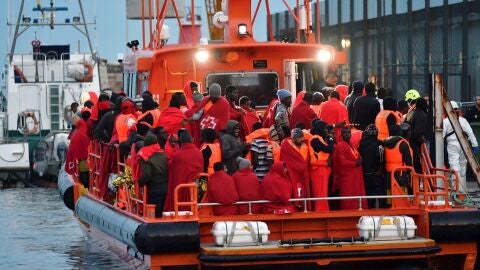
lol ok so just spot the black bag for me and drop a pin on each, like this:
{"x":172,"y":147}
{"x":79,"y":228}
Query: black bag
{"x":445,"y":152}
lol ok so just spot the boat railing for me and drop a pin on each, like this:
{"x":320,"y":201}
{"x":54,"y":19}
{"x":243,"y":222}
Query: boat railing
{"x":429,"y":190}
{"x":305,"y":201}
{"x":30,"y":70}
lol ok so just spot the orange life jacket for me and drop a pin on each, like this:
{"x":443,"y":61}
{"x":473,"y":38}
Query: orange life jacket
{"x":215,"y":157}
{"x":155,"y":113}
{"x":275,"y":150}
{"x":393,"y":156}
{"x":318,"y":158}
{"x":303,"y":150}
{"x":381,"y":123}
{"x":121,"y":126}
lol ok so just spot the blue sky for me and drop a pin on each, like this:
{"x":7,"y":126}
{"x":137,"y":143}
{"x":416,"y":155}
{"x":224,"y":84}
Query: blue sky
{"x":109,"y":37}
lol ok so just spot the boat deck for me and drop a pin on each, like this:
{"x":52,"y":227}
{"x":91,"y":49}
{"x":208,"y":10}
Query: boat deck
{"x":321,"y":253}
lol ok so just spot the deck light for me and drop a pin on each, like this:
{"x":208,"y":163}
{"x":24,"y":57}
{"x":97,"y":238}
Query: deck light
{"x":26,"y":19}
{"x":76,"y":19}
{"x":345,"y":43}
{"x":202,"y":55}
{"x":242,"y":30}
{"x":324,"y":55}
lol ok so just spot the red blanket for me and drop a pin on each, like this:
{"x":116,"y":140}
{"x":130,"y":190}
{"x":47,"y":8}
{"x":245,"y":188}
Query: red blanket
{"x":187,"y":90}
{"x":78,"y":148}
{"x":349,"y":176}
{"x":302,"y":113}
{"x":297,"y":167}
{"x":215,"y":115}
{"x":248,"y":186}
{"x":332,"y":112}
{"x":269,"y":116}
{"x":248,"y":119}
{"x":147,"y":151}
{"x":194,"y":125}
{"x":183,"y":167}
{"x":276,"y":187}
{"x":172,"y":119}
{"x":221,"y":189}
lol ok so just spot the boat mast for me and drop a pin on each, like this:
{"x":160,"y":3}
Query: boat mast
{"x":12,"y":49}
{"x":85,"y":26}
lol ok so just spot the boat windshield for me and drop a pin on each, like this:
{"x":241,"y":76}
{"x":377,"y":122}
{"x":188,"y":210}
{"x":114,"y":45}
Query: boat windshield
{"x":259,"y":86}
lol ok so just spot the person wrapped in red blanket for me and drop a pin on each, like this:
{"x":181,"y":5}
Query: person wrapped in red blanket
{"x":277,"y":188}
{"x":214,"y":110}
{"x":221,"y":189}
{"x":183,"y":167}
{"x":247,"y":185}
{"x":294,"y":152}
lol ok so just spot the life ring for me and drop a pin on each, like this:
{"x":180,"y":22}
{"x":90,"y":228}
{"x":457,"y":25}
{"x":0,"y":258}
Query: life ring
{"x":22,"y":125}
{"x":89,"y":76}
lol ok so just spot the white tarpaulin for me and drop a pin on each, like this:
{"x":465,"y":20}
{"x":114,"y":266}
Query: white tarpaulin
{"x":134,"y":8}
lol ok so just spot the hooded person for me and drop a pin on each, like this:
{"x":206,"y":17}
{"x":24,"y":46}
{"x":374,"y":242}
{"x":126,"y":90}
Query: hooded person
{"x":172,"y":118}
{"x":371,"y":151}
{"x":318,"y":98}
{"x":232,"y":146}
{"x":248,"y":186}
{"x":194,"y":125}
{"x":188,"y":90}
{"x":334,"y":113}
{"x":183,"y":167}
{"x":294,"y":152}
{"x":78,"y":152}
{"x":276,"y":187}
{"x":99,"y":109}
{"x":221,"y":189}
{"x":214,"y":110}
{"x":124,"y":121}
{"x":154,"y":168}
{"x":357,"y":90}
{"x":302,"y":113}
{"x":455,"y":155}
{"x":343,"y":91}
{"x":348,"y":173}
{"x":321,"y":148}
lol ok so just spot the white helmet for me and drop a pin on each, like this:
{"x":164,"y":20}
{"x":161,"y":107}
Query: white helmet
{"x":454,"y":105}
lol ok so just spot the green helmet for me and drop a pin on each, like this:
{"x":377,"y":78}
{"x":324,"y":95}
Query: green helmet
{"x":412,"y":95}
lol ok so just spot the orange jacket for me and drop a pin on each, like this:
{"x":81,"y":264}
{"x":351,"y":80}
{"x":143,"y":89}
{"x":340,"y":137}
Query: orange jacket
{"x":381,"y":123}
{"x":393,"y":156}
{"x":215,"y":157}
{"x":122,"y":126}
{"x":318,"y":158}
{"x":155,"y":115}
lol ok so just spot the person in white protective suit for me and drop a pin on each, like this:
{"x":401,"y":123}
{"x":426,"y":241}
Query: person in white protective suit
{"x":456,"y":157}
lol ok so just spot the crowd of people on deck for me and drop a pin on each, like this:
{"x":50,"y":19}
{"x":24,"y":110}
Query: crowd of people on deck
{"x":338,"y":140}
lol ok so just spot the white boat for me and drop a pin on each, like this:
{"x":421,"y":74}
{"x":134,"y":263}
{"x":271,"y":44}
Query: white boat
{"x":40,"y":86}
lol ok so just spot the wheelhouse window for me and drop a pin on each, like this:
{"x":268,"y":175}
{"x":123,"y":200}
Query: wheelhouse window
{"x":260,"y":87}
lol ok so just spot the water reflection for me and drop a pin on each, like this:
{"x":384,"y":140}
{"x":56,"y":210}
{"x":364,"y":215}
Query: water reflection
{"x":39,"y":232}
